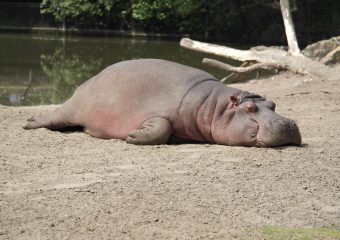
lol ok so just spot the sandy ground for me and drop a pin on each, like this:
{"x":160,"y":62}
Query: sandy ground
{"x":56,"y":185}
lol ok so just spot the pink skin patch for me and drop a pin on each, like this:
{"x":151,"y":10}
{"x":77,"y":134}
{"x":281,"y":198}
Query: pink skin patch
{"x":104,"y":125}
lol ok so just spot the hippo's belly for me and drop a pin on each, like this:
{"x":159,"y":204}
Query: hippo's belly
{"x":121,"y":97}
{"x":107,"y":120}
{"x":107,"y":125}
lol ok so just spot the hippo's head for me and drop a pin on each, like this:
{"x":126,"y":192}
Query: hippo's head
{"x":255,"y":123}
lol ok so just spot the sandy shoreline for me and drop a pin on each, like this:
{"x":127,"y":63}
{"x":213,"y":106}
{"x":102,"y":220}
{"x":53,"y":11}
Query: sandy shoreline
{"x":57,"y":185}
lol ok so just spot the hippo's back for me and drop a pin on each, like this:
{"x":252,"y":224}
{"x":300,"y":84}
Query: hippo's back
{"x":125,"y":94}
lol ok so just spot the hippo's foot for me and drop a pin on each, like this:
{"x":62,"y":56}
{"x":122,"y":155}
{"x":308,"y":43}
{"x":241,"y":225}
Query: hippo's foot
{"x":153,"y":131}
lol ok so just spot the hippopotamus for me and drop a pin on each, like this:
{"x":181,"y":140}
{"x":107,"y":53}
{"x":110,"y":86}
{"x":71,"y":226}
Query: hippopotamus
{"x":151,"y":101}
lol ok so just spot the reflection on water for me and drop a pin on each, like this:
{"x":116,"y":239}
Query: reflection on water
{"x":41,"y":69}
{"x":67,"y":71}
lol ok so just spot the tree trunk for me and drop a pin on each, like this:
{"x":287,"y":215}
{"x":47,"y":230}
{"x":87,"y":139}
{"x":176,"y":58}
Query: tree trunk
{"x":293,"y":47}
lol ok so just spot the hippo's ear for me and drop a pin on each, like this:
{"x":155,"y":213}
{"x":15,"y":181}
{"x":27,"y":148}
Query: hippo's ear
{"x":233,"y":99}
{"x":271,"y":105}
{"x":233,"y":102}
{"x":268,"y":104}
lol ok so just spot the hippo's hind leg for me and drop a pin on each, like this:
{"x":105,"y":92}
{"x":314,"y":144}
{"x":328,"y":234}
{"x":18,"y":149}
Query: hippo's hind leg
{"x":153,"y":131}
{"x":56,"y":119}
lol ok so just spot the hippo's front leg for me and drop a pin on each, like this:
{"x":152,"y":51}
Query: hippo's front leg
{"x":153,"y":131}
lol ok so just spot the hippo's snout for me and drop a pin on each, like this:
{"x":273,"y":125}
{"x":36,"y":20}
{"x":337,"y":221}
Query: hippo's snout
{"x":285,"y":131}
{"x":280,"y":132}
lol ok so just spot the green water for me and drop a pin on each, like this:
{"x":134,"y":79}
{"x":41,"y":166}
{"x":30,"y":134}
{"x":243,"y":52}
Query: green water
{"x":40,"y":69}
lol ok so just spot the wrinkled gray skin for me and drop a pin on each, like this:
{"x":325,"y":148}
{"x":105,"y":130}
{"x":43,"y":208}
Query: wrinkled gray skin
{"x":151,"y":101}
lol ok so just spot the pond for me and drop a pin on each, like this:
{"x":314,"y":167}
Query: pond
{"x":40,"y":69}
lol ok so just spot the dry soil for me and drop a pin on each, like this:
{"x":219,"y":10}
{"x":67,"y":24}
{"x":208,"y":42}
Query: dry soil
{"x":57,"y":185}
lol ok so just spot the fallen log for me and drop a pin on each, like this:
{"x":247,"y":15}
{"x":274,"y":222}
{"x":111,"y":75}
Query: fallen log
{"x":266,"y":58}
{"x":269,"y":57}
{"x":330,"y":56}
{"x":247,"y":69}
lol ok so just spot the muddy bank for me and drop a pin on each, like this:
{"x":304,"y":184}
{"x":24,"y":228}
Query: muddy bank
{"x":57,"y":185}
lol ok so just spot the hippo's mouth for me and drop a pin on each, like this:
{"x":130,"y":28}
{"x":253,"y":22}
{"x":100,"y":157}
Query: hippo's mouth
{"x":259,"y":142}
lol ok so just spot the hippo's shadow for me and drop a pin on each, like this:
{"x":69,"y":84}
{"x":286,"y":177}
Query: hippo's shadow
{"x":172,"y":140}
{"x":70,"y":129}
{"x":179,"y":141}
{"x":282,"y":147}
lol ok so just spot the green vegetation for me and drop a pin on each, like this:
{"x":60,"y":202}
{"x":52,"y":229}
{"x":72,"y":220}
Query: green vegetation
{"x":143,"y":10}
{"x":168,"y":13}
{"x":164,"y":9}
{"x":281,"y":233}
{"x":232,"y":19}
{"x":62,"y":9}
{"x":149,"y":13}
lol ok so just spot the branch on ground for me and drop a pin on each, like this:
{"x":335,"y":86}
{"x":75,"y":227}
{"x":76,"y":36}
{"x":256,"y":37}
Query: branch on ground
{"x":266,"y":56}
{"x":330,"y":56}
{"x":248,"y":69}
{"x":269,"y":57}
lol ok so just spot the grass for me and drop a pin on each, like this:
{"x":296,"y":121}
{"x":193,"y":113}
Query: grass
{"x":283,"y":233}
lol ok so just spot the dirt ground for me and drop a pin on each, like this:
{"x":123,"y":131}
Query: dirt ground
{"x":56,"y":185}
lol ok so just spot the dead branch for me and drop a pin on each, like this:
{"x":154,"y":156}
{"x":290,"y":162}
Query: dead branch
{"x":240,"y":55}
{"x":270,"y":56}
{"x":329,"y":57}
{"x":235,"y":77}
{"x":254,"y":67}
